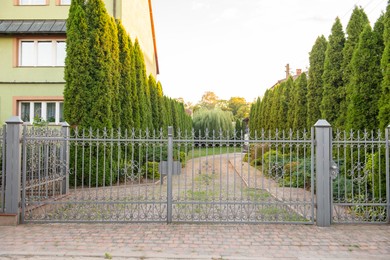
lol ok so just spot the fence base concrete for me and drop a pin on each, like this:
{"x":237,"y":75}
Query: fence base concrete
{"x":8,"y":219}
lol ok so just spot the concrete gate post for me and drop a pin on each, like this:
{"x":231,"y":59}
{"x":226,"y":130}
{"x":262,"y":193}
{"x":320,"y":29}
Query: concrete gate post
{"x":323,"y":153}
{"x":13,"y":165}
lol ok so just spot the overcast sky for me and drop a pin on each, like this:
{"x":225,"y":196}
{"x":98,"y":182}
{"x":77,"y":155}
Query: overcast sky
{"x":240,"y":47}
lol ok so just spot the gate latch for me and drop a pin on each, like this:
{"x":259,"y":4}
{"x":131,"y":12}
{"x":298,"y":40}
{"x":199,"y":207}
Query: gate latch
{"x":334,"y":170}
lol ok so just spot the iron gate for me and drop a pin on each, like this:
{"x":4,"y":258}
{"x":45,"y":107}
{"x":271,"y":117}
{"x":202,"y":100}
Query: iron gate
{"x":113,"y":176}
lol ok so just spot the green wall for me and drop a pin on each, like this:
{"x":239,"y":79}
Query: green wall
{"x":9,"y":91}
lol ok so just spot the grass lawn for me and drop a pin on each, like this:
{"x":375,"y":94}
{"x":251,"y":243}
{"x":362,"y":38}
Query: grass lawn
{"x":209,"y":151}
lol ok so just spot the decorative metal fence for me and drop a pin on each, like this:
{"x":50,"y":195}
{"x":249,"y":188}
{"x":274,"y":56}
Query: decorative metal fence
{"x":2,"y":168}
{"x":44,"y":176}
{"x":188,"y":177}
{"x":265,"y":179}
{"x":112,"y":177}
{"x":119,"y":176}
{"x":361,"y":189}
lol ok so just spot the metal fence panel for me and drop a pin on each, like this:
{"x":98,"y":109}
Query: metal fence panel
{"x":113,"y":177}
{"x":227,"y":179}
{"x":359,"y":190}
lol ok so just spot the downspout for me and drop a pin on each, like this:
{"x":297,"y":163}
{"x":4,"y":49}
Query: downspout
{"x":154,"y":37}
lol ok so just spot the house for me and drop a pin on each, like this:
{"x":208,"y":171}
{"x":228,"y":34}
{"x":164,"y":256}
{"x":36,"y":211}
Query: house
{"x":298,"y":72}
{"x":33,"y":50}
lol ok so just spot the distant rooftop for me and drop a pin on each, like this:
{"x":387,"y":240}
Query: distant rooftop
{"x":32,"y":27}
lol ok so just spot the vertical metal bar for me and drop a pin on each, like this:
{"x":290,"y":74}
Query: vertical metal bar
{"x":323,"y":159}
{"x":312,"y":173}
{"x":65,"y":158}
{"x":169,"y":175}
{"x":24,"y":173}
{"x":387,"y":172}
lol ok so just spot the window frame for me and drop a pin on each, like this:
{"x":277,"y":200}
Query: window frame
{"x":54,"y":51}
{"x":43,"y":111}
{"x":19,"y":2}
{"x":60,"y":2}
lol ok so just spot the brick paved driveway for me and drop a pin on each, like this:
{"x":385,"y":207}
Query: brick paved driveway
{"x":161,"y":241}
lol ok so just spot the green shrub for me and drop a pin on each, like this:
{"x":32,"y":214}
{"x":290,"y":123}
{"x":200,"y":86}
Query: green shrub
{"x":297,"y":174}
{"x":376,"y":175}
{"x":97,"y":168}
{"x":274,"y":164}
{"x":150,"y":171}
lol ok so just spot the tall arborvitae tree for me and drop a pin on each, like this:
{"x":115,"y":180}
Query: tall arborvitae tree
{"x":125,"y":90}
{"x":315,"y":83}
{"x":300,"y":103}
{"x":155,"y":104}
{"x":77,"y":101}
{"x":266,"y":109}
{"x":167,"y":108}
{"x":115,"y":75}
{"x":275,"y":104}
{"x":282,"y":108}
{"x":384,"y":102}
{"x":332,"y":77}
{"x":135,"y":102}
{"x":142,"y":88}
{"x":292,"y":106}
{"x":365,"y":80}
{"x":254,"y":116}
{"x":99,"y":115}
{"x":161,"y":107}
{"x":238,"y":130}
{"x":288,"y":86}
{"x":355,"y":27}
{"x":175,"y":116}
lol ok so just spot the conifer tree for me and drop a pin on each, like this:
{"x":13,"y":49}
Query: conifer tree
{"x":100,"y":47}
{"x":135,"y":102}
{"x":300,"y":106}
{"x":332,"y":77}
{"x":155,"y":104}
{"x":384,"y":102}
{"x":265,"y":109}
{"x":125,"y":89}
{"x":161,"y":107}
{"x":259,"y":115}
{"x":76,"y":94}
{"x":355,"y":27}
{"x":238,"y":129}
{"x":254,"y":116}
{"x":115,"y":76}
{"x":275,"y":104}
{"x":291,"y":106}
{"x":287,"y":87}
{"x":366,"y":79}
{"x":315,"y":83}
{"x":142,"y":88}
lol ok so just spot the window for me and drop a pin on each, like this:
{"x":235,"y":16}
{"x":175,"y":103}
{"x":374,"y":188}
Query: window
{"x":42,"y":53}
{"x":32,"y":2}
{"x":65,"y":2}
{"x":50,"y":111}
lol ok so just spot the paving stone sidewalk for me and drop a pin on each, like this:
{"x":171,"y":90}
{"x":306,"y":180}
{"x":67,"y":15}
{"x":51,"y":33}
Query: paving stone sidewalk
{"x":194,"y":241}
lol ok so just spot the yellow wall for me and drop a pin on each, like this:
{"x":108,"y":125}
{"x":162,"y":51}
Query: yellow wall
{"x":133,"y":13}
{"x":11,"y":11}
{"x":135,"y":17}
{"x":10,"y":72}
